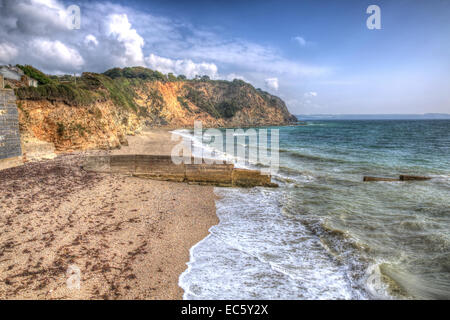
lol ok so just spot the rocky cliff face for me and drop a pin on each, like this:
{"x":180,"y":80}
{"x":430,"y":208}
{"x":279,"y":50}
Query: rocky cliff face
{"x":99,"y":110}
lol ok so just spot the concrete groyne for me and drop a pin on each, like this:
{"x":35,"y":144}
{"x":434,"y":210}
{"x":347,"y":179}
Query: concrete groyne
{"x":161,"y":167}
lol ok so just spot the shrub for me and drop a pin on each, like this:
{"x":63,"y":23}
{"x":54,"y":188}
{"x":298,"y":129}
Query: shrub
{"x":60,"y":129}
{"x":171,"y":77}
{"x":114,"y":73}
{"x":200,"y":100}
{"x":228,"y":108}
{"x":67,"y":93}
{"x":135,"y":73}
{"x":121,"y":91}
{"x":35,"y":74}
{"x":183,"y":103}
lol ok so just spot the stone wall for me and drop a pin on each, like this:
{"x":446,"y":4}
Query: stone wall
{"x":11,"y":72}
{"x":9,"y":126}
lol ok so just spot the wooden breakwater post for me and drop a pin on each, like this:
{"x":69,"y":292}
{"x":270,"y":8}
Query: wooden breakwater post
{"x":368,"y":178}
{"x":413,"y":178}
{"x":161,"y":167}
{"x":400,"y":178}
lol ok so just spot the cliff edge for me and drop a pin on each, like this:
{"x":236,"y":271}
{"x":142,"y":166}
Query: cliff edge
{"x":99,"y":110}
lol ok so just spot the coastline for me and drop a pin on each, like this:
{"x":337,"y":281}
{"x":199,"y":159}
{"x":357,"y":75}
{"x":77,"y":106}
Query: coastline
{"x":130,"y":238}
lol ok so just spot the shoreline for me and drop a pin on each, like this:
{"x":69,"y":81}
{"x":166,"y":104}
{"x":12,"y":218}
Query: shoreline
{"x":130,"y":238}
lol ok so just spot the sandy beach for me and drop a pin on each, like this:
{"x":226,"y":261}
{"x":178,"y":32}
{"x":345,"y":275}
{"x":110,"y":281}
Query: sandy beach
{"x":127,"y":238}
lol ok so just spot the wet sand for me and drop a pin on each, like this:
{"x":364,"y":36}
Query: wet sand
{"x":128,"y":237}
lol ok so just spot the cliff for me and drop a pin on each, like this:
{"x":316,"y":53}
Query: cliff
{"x":99,"y":110}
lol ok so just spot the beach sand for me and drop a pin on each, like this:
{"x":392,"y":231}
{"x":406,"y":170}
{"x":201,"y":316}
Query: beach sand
{"x":154,"y":141}
{"x":127,"y":238}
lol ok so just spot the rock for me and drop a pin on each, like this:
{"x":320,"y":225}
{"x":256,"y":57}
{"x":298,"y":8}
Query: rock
{"x":412,"y":178}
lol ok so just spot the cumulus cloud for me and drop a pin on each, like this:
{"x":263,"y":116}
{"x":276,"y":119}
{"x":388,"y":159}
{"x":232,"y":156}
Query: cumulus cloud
{"x":56,"y":54}
{"x":114,"y":35}
{"x":90,"y":40}
{"x":181,"y":66}
{"x":119,"y":27}
{"x":7,"y":52}
{"x":34,"y":17}
{"x":272,"y":83}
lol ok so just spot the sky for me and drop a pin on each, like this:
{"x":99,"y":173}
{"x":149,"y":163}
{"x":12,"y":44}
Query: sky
{"x":318,"y":56}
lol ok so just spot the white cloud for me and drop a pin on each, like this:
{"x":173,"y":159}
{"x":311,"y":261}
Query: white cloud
{"x":272,"y":83}
{"x":56,"y":53}
{"x":38,"y":17}
{"x":119,"y":27}
{"x":232,"y":76}
{"x":112,"y":35}
{"x":242,"y":55}
{"x":7,"y":52}
{"x":90,"y":39}
{"x":181,"y":66}
{"x":300,"y":40}
{"x":310,"y":94}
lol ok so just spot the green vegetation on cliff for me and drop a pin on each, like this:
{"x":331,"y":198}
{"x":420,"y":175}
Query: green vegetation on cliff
{"x":35,"y":74}
{"x":136,"y":73}
{"x":219,"y":98}
{"x":84,"y":90}
{"x":68,"y":93}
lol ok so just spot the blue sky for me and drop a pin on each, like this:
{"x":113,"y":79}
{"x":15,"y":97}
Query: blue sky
{"x":318,"y":56}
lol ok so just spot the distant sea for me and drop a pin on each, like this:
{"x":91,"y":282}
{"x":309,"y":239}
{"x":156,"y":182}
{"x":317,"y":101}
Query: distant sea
{"x":325,"y":234}
{"x":426,"y":116}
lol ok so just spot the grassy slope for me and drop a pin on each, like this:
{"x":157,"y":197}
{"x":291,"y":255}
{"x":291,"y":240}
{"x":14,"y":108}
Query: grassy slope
{"x":120,"y":86}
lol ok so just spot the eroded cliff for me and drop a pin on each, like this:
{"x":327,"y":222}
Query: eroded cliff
{"x":99,"y":110}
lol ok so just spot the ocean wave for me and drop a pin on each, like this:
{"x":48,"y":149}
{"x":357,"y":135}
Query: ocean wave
{"x":314,"y":157}
{"x":274,"y":256}
{"x":325,"y":234}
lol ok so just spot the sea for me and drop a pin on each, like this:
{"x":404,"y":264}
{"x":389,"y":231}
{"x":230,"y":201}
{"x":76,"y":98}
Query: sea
{"x":326,"y":234}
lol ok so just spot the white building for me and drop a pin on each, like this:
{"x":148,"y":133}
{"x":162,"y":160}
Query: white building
{"x":15,"y":73}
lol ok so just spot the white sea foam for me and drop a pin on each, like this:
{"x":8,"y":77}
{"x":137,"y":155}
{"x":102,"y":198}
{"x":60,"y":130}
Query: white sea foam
{"x":257,"y":253}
